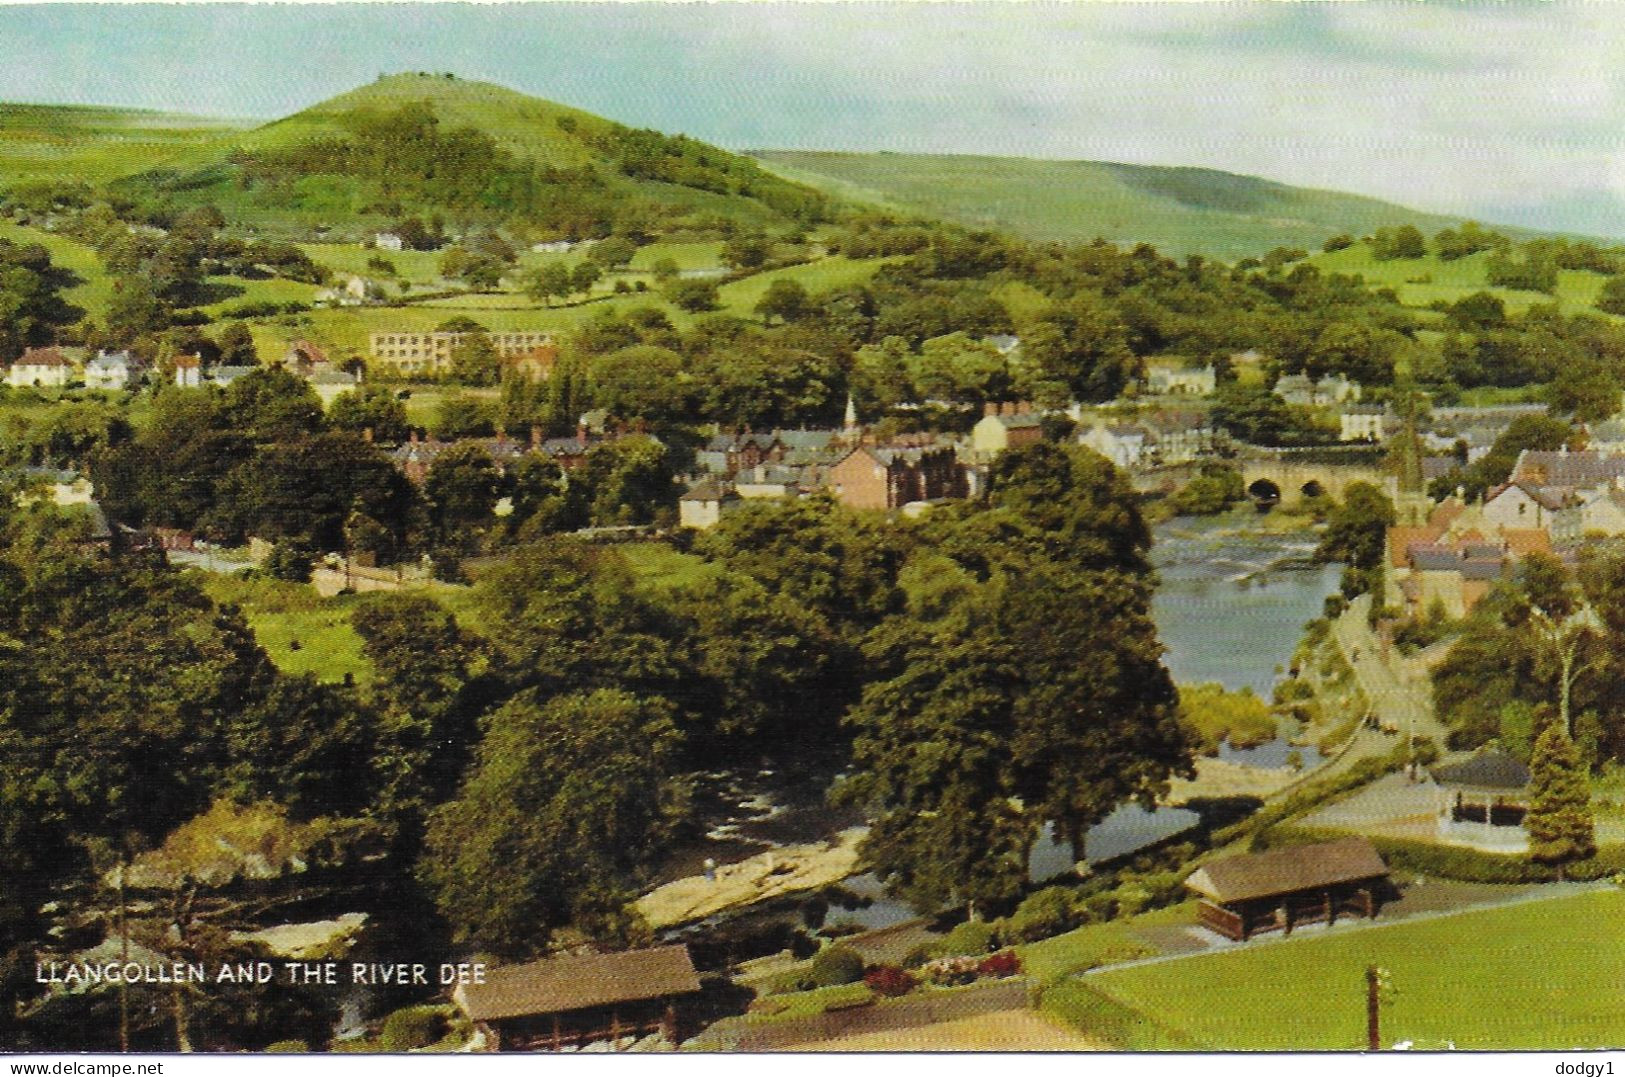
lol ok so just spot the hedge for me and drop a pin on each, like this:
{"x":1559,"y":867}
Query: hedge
{"x":1117,"y":1026}
{"x":1457,"y":862}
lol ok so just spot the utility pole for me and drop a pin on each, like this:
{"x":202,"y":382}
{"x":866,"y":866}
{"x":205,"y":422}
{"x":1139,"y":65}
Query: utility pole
{"x":1373,"y":1009}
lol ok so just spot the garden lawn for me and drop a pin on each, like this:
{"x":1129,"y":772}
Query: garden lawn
{"x":300,"y":630}
{"x":1096,"y":944}
{"x":1544,"y":975}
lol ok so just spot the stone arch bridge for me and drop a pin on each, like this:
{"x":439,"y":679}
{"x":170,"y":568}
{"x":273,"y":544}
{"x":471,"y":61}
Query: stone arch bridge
{"x":1274,"y":475}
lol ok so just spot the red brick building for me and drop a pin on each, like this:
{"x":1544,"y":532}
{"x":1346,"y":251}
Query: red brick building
{"x":877,"y":478}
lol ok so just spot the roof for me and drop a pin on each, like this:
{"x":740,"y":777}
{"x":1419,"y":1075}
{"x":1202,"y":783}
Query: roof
{"x":42,"y":357}
{"x":709,"y":490}
{"x":1401,"y":539}
{"x":1015,"y":421}
{"x":1285,"y":871}
{"x":561,"y":984}
{"x":1564,"y":468}
{"x":1486,"y":770}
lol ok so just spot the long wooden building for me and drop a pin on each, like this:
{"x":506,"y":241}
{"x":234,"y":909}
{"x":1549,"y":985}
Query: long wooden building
{"x":572,"y":1001}
{"x":1278,"y":890}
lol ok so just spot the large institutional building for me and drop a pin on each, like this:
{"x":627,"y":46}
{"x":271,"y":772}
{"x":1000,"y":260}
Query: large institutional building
{"x":430,"y":353}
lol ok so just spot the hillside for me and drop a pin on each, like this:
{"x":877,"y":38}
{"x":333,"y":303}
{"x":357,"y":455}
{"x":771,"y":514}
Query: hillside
{"x":64,"y":142}
{"x":1178,"y":210}
{"x":471,"y":153}
{"x":1420,"y":282}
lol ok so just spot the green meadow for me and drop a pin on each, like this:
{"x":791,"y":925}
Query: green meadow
{"x":1420,"y":282}
{"x":1543,"y":975}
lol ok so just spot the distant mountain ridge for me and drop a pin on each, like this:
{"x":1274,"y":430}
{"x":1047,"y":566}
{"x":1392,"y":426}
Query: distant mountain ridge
{"x":1179,"y":210}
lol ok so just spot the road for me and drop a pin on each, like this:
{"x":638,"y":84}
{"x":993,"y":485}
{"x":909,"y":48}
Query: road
{"x":1396,"y":687}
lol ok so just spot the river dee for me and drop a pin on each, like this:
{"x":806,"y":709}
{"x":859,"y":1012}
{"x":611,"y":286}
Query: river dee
{"x":1232,"y":601}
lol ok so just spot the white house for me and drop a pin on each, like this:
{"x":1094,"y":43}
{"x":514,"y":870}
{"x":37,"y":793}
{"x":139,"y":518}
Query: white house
{"x":388,"y":241}
{"x":704,"y":505}
{"x":1524,"y":505}
{"x":110,"y":370}
{"x":1123,"y":444}
{"x":1361,"y":422}
{"x":1187,"y":382}
{"x":42,"y":367}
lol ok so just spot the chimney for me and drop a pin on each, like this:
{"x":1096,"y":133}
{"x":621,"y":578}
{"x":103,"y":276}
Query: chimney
{"x":366,"y":435}
{"x":414,"y":435}
{"x":1024,"y":407}
{"x":1007,"y":408}
{"x":581,"y":431}
{"x":990,"y":408}
{"x":535,"y":435}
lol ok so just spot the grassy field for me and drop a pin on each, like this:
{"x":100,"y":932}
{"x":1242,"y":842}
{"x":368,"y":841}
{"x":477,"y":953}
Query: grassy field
{"x":1097,"y":944}
{"x":300,"y":630}
{"x":1178,"y":210}
{"x":1421,"y":281}
{"x":658,"y":567}
{"x":1543,"y":975}
{"x":40,"y":142}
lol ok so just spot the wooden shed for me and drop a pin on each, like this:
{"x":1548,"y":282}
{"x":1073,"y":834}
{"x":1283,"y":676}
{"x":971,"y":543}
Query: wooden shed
{"x":1275,"y":891}
{"x":573,"y":1001}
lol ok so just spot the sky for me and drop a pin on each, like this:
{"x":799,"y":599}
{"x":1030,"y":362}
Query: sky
{"x":1511,"y":112}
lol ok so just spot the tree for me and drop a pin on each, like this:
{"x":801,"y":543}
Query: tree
{"x":546,"y":281}
{"x":640,"y":382}
{"x":584,"y":276}
{"x":462,"y":488}
{"x":746,"y":251}
{"x":369,"y":407}
{"x":786,"y":300}
{"x":428,"y":696}
{"x":1039,"y":698}
{"x":272,"y":404}
{"x":475,"y":360}
{"x":613,"y":253}
{"x":1611,"y":299}
{"x":1560,"y":825}
{"x":693,"y":294}
{"x":236,"y":344}
{"x":1082,"y":345}
{"x":563,"y":811}
{"x":1405,"y":241}
{"x":1358,"y":528}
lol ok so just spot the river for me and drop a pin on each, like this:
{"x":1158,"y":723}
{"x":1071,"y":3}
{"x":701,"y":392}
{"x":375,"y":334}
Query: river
{"x":1233,"y":598}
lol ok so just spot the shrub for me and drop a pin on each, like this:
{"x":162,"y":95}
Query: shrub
{"x":890,"y":981}
{"x":1002,"y":964}
{"x":953,"y":971}
{"x":1102,"y":906}
{"x":836,"y":965}
{"x":1131,"y":899}
{"x":971,"y":937}
{"x":1048,"y":912}
{"x":287,"y":1047}
{"x":791,"y":982}
{"x":921,"y":954}
{"x":412,"y":1027}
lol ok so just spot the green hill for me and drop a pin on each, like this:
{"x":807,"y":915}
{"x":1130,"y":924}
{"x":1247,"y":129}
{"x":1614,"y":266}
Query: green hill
{"x":1178,"y":210}
{"x":63,"y":142}
{"x":472,"y":153}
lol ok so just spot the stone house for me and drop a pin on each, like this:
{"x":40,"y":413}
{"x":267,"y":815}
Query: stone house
{"x":1005,"y":426}
{"x":1125,"y":444}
